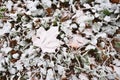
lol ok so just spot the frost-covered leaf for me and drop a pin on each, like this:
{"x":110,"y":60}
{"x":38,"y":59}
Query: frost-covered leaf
{"x":90,"y":47}
{"x":50,"y":75}
{"x":83,"y":76}
{"x":78,"y":41}
{"x":46,"y":40}
{"x":107,"y":18}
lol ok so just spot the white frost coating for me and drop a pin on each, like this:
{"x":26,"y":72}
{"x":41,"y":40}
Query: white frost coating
{"x":65,"y":0}
{"x":32,"y":8}
{"x":107,"y":18}
{"x":9,"y":4}
{"x":50,"y":75}
{"x":92,"y":60}
{"x":102,"y":1}
{"x":6,"y":49}
{"x":46,"y":3}
{"x":1,"y":62}
{"x":2,"y":68}
{"x":97,"y":15}
{"x":19,"y":66}
{"x":90,"y":47}
{"x":29,"y":73}
{"x":86,"y":5}
{"x":83,"y":76}
{"x":102,"y":44}
{"x":93,"y":41}
{"x":96,"y":27}
{"x":117,"y":70}
{"x":43,"y":71}
{"x":46,"y":40}
{"x":88,"y":32}
{"x":1,"y":23}
{"x":16,"y":55}
{"x":102,"y":35}
{"x":30,"y":34}
{"x":6,"y":28}
{"x":116,"y":62}
{"x":13,"y":16}
{"x":84,"y":18}
{"x":60,"y":69}
{"x":66,"y":27}
{"x":12,"y":70}
{"x":117,"y":10}
{"x":73,"y":26}
{"x":51,"y":64}
{"x":82,"y":26}
{"x":73,"y":77}
{"x":94,"y":78}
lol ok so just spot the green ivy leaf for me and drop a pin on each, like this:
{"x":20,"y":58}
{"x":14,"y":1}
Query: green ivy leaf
{"x":1,"y":15}
{"x":2,"y":9}
{"x":117,"y":44}
{"x":106,"y":12}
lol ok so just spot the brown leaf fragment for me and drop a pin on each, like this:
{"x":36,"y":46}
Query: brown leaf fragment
{"x":13,"y":52}
{"x":112,"y":67}
{"x":64,"y":4}
{"x":49,"y":11}
{"x":64,"y":78}
{"x":104,"y":57}
{"x":64,"y":18}
{"x":13,"y":60}
{"x":114,"y":43}
{"x":13,"y":43}
{"x":115,"y":1}
{"x":92,"y":66}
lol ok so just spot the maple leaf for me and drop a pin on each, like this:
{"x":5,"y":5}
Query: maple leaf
{"x":46,"y":40}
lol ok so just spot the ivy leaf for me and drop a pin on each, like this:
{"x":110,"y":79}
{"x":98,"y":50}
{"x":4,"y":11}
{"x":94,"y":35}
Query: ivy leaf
{"x":2,"y":9}
{"x":117,"y":44}
{"x":106,"y":12}
{"x":1,"y":15}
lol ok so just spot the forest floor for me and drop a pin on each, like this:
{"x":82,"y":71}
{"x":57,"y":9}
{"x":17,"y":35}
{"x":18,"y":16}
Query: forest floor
{"x":59,"y":39}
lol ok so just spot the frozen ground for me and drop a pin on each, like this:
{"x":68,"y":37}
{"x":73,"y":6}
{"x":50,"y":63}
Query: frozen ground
{"x":59,"y":40}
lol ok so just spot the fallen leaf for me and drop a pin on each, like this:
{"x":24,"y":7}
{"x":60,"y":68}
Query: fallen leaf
{"x":115,"y":1}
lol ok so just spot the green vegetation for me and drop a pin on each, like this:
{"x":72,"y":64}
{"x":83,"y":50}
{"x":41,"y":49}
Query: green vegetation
{"x":2,"y":10}
{"x":1,"y":15}
{"x":106,"y":12}
{"x":117,"y":44}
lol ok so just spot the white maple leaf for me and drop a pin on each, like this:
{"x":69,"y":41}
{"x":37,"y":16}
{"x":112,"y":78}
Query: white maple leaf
{"x":46,"y":40}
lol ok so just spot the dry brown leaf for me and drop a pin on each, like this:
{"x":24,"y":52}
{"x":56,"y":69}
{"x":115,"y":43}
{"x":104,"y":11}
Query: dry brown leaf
{"x":13,"y":60}
{"x":64,"y":18}
{"x":13,"y":43}
{"x":114,"y":41}
{"x":115,"y":1}
{"x":49,"y":11}
{"x":13,"y":52}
